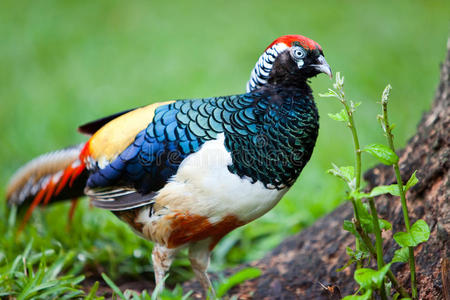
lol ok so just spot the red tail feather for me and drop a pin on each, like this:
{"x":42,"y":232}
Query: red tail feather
{"x":73,"y":206}
{"x":53,"y":187}
{"x":30,"y":209}
{"x":68,"y":172}
{"x":50,"y":177}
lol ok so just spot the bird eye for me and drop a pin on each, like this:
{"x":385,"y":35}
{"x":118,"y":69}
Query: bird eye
{"x":298,"y":53}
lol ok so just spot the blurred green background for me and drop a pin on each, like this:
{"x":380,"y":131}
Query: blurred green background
{"x":64,"y":63}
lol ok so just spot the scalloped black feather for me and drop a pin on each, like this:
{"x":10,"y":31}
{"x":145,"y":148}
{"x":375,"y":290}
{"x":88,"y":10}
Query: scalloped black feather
{"x":270,"y":134}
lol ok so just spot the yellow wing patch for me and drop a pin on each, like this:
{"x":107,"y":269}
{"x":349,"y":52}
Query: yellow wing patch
{"x":110,"y":140}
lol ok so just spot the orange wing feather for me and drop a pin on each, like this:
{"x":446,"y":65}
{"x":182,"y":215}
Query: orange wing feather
{"x":113,"y":138}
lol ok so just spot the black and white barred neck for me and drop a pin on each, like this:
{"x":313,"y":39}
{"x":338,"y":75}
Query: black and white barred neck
{"x":261,"y":71}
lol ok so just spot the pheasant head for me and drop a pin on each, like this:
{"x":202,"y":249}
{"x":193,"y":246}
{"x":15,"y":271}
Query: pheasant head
{"x":288,"y":61}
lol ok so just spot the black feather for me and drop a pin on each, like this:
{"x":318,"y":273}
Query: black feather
{"x":92,"y":127}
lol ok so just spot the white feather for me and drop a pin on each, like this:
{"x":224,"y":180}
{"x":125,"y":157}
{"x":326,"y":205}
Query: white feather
{"x":203,"y":185}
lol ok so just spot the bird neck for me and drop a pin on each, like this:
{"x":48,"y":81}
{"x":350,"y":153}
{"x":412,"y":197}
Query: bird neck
{"x":275,"y":69}
{"x":260,"y":74}
{"x":286,"y":132}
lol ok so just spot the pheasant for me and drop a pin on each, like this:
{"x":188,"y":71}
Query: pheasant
{"x":185,"y":173}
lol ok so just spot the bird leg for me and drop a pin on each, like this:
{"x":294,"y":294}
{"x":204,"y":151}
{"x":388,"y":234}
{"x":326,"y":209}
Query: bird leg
{"x":199,"y":257}
{"x":162,"y":258}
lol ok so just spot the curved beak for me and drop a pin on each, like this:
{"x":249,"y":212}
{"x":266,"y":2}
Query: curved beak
{"x":322,"y":66}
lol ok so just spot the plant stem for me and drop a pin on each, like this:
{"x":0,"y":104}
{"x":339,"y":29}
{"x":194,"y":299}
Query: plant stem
{"x":411,"y":259}
{"x":390,"y":138}
{"x":368,"y":243}
{"x":357,"y":149}
{"x":351,"y":125}
{"x":357,"y":246}
{"x":378,"y":244}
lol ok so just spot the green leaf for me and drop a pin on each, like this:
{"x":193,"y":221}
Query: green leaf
{"x":365,"y":296}
{"x":412,"y":181}
{"x":113,"y":286}
{"x":383,"y":153}
{"x":159,"y":288}
{"x":347,"y":264}
{"x":93,"y":291}
{"x":354,"y":105}
{"x":349,"y":226}
{"x":384,"y":189}
{"x":167,"y":294}
{"x":363,"y":252}
{"x":239,"y":277}
{"x":371,"y":279}
{"x":345,"y":173}
{"x":388,"y":287}
{"x":387,"y":189}
{"x":350,"y":252}
{"x":339,"y":80}
{"x":420,"y":232}
{"x":356,"y":254}
{"x":404,"y":239}
{"x":348,"y":173}
{"x":358,"y":195}
{"x":401,"y":255}
{"x":340,"y":116}
{"x":384,"y":225}
{"x":330,"y":93}
{"x":364,"y":216}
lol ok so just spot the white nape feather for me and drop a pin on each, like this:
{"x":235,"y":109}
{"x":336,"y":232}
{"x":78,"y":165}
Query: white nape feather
{"x":263,"y":66}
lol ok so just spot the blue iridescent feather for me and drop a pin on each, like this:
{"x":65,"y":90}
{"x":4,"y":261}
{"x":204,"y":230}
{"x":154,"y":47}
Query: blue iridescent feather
{"x":270,"y":136}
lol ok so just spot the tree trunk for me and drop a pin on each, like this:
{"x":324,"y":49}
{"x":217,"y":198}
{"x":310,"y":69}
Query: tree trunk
{"x":303,"y":264}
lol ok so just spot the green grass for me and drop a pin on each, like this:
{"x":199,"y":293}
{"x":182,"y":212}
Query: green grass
{"x":64,"y":63}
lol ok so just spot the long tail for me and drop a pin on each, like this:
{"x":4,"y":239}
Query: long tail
{"x":53,"y":176}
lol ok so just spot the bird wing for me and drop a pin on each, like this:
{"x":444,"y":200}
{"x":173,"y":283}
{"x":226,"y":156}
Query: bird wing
{"x":118,"y":199}
{"x":116,"y":135}
{"x":135,"y":154}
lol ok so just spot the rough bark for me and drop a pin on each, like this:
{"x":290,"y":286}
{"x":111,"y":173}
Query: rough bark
{"x":297,"y":267}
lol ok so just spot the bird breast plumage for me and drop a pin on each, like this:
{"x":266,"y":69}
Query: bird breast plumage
{"x":204,"y":188}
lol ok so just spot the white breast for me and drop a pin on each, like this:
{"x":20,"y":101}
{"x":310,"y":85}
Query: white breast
{"x":203,"y":185}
